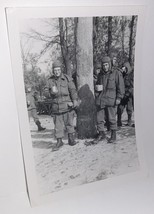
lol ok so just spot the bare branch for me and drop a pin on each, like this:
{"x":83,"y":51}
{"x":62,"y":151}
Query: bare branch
{"x":41,"y":37}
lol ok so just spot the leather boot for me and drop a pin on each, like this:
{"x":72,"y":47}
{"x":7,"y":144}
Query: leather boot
{"x":101,"y":136}
{"x":112,"y":139}
{"x":58,"y":144}
{"x":40,"y":128}
{"x":71,"y":139}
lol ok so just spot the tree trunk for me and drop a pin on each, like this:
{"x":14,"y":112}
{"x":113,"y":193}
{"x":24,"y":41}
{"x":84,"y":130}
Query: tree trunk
{"x":64,"y":48}
{"x":95,"y":41}
{"x":109,"y":34}
{"x":131,"y":39}
{"x":75,"y":50}
{"x":123,"y":39}
{"x":86,"y":112}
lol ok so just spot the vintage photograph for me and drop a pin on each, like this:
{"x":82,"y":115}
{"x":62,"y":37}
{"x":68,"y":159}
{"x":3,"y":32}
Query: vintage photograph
{"x":79,"y":85}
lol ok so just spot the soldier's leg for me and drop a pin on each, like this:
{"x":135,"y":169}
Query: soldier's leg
{"x":100,"y":125}
{"x":59,"y":131}
{"x":68,"y":121}
{"x":59,"y":126}
{"x":120,"y":110}
{"x":100,"y":119}
{"x":36,"y":119}
{"x":107,"y":120}
{"x":129,"y":109}
{"x":29,"y":114}
{"x":113,"y":124}
{"x":34,"y":115}
{"x":112,"y":117}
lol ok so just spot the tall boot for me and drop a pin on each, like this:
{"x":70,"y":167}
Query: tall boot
{"x":40,"y":128}
{"x":101,"y":136}
{"x":71,"y":139}
{"x":112,"y":139}
{"x":58,"y":144}
{"x":129,"y":120}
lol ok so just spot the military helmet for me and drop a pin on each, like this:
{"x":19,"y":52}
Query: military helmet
{"x":98,"y":66}
{"x":56,"y":64}
{"x":106,"y":59}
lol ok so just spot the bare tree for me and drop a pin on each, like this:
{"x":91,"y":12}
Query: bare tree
{"x":64,"y":46}
{"x":109,"y":34}
{"x":131,"y":39}
{"x":123,"y":37}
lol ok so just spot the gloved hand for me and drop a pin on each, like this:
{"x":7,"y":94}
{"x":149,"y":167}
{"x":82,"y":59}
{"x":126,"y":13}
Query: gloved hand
{"x":70,"y":104}
{"x":75,"y":103}
{"x":118,"y":101}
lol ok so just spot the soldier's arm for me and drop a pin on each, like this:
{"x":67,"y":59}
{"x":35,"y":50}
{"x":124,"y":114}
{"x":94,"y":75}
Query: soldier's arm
{"x":48,"y":87}
{"x":120,"y":87}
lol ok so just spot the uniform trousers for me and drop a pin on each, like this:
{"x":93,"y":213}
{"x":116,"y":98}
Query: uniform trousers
{"x":101,"y":116}
{"x":62,"y":121}
{"x":33,"y":113}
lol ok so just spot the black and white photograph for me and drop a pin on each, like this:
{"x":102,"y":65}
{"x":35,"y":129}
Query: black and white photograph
{"x":77,"y":89}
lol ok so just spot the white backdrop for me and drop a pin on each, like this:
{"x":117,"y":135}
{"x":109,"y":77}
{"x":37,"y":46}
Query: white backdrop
{"x":135,"y":196}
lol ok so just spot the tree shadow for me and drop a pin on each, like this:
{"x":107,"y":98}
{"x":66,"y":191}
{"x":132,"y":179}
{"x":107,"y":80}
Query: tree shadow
{"x":40,"y":144}
{"x":39,"y":139}
{"x":86,"y":113}
{"x":42,"y":132}
{"x":43,"y":135}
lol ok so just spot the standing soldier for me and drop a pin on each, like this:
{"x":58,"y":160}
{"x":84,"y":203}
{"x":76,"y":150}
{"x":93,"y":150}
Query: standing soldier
{"x":127,"y":101}
{"x":110,"y":91}
{"x":96,"y":72}
{"x":64,"y":99}
{"x":32,"y":112}
{"x":114,"y":62}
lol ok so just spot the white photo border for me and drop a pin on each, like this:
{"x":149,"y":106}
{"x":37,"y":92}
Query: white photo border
{"x":14,"y":15}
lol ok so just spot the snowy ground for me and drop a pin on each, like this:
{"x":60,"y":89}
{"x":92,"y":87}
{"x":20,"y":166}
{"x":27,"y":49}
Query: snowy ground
{"x":80,"y":164}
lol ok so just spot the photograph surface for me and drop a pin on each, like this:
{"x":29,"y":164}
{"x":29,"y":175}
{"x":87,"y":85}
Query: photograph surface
{"x":77,"y":77}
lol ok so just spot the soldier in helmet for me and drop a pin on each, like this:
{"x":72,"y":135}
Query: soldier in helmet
{"x":127,"y":101}
{"x":64,"y":99}
{"x":110,"y":91}
{"x":113,"y":57}
{"x":96,"y":72}
{"x":32,"y":112}
{"x":114,"y":61}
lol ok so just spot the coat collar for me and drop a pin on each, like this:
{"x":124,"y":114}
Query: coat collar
{"x":61,"y":77}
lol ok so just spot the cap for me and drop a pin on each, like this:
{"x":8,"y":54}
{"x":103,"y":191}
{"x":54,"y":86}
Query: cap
{"x":106,"y":59}
{"x":56,"y":64}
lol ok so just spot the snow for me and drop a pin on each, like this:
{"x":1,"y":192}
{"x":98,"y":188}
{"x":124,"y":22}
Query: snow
{"x":80,"y":164}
